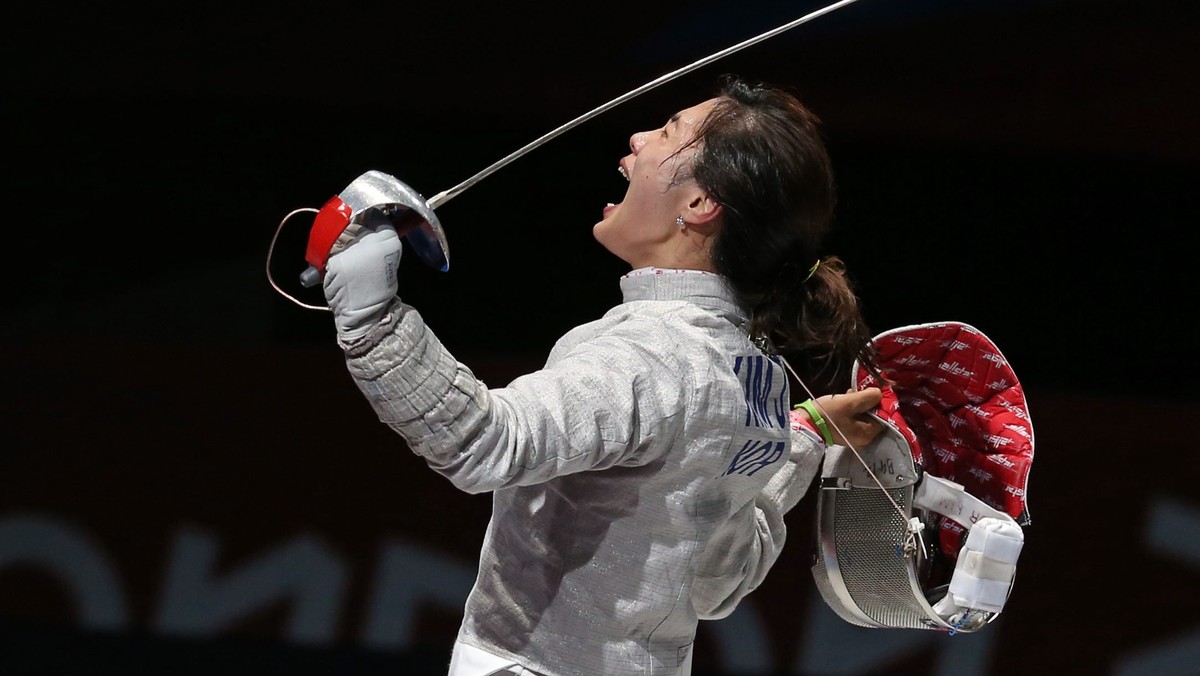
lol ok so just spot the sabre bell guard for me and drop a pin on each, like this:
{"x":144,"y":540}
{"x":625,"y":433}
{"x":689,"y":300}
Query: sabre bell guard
{"x":371,"y":200}
{"x":924,"y":531}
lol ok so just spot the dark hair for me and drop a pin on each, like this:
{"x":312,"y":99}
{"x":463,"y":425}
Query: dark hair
{"x":760,"y":155}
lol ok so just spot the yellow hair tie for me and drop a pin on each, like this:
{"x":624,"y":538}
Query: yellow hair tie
{"x":812,"y":270}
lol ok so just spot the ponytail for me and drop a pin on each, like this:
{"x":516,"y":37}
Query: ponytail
{"x":816,"y":323}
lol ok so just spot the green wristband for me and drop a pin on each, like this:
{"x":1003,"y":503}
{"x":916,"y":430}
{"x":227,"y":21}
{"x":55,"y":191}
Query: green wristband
{"x":817,"y":419}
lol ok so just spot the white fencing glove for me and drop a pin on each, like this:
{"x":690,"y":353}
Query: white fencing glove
{"x":360,"y":281}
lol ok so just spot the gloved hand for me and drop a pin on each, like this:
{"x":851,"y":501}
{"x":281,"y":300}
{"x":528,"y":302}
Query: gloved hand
{"x":360,"y":281}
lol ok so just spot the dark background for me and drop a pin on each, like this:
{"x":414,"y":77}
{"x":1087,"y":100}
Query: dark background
{"x":1024,"y":167}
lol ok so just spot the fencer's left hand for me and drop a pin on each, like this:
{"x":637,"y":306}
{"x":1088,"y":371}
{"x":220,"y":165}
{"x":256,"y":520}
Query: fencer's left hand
{"x":846,"y":416}
{"x":360,"y":282}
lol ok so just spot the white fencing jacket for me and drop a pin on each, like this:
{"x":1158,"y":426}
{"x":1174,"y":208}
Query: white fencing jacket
{"x":639,"y":479}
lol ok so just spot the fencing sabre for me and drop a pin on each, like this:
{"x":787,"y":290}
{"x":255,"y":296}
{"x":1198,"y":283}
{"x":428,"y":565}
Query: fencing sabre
{"x":375,"y":197}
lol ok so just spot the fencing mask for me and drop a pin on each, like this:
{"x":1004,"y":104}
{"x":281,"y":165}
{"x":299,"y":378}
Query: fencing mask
{"x":921,"y":529}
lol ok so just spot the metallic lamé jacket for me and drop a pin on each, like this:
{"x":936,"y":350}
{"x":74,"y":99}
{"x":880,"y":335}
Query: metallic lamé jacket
{"x":639,"y":479}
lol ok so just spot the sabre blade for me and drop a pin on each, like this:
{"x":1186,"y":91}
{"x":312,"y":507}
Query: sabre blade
{"x":447,"y":195}
{"x":437,"y":241}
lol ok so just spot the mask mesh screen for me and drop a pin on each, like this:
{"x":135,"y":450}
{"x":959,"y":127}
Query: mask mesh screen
{"x":867,"y":536}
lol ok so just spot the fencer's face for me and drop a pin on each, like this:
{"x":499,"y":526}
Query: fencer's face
{"x":641,"y":228}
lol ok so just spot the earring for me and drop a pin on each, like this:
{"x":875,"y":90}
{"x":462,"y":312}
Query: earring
{"x":679,"y":221}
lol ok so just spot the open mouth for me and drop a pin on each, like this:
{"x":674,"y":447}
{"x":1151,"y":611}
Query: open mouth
{"x":624,"y":174}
